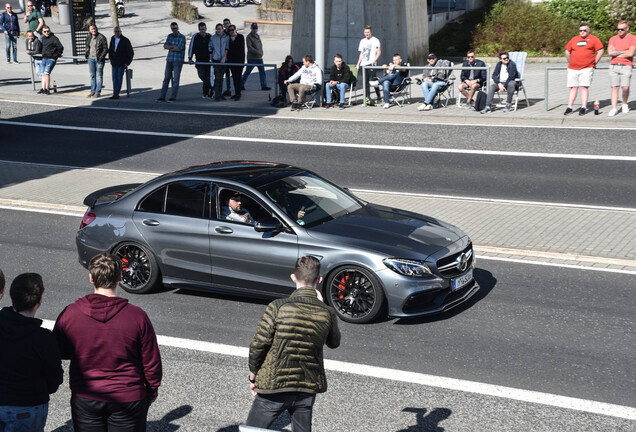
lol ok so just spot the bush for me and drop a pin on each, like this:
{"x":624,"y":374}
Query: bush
{"x":519,"y":25}
{"x":621,"y":10}
{"x":593,"y":12}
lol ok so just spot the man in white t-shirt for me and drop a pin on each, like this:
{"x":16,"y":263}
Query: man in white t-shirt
{"x":369,"y":54}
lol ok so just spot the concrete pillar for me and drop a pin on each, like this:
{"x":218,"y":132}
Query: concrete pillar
{"x":401,"y":26}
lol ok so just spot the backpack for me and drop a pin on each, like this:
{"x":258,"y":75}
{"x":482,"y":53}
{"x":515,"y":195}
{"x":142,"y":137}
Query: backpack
{"x":480,"y":100}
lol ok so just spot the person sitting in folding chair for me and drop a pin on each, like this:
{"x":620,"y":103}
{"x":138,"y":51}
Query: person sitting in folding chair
{"x":504,"y":77}
{"x":310,"y":77}
{"x":393,"y":77}
{"x":339,"y":79}
{"x":433,"y":80}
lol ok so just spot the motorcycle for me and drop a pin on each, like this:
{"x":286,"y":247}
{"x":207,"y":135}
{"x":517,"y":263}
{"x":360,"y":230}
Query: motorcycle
{"x":119,"y":5}
{"x":210,"y":3}
{"x":256,"y":2}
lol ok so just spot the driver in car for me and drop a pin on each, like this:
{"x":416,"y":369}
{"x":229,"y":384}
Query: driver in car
{"x":234,"y":212}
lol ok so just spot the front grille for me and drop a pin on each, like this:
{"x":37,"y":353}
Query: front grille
{"x":449,"y":266}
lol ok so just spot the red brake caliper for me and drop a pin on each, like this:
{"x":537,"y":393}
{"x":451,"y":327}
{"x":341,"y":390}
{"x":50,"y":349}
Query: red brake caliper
{"x":341,"y":287}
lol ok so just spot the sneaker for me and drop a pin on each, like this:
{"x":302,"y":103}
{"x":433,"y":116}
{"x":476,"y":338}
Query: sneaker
{"x":90,"y":95}
{"x":342,"y":106}
{"x":172,"y":100}
{"x":485,"y":110}
{"x":428,"y":107}
{"x":46,"y":92}
{"x":369,"y":102}
{"x":421,"y":107}
{"x":41,"y":91}
{"x":582,"y":111}
{"x":386,"y":106}
{"x":114,"y":96}
{"x":161,"y":99}
{"x":568,"y":110}
{"x":294,"y":106}
{"x":96,"y":95}
{"x":469,"y":104}
{"x":625,"y":108}
{"x":507,"y":108}
{"x":613,"y":112}
{"x":266,"y":88}
{"x":16,"y":62}
{"x":204,"y":96}
{"x":328,"y":105}
{"x":227,"y":93}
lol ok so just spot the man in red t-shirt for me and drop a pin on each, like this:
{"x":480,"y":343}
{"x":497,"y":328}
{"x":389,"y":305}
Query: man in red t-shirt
{"x":583,"y":53}
{"x":621,"y":47}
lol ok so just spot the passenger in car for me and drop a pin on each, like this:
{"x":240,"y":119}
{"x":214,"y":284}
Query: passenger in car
{"x":234,"y":212}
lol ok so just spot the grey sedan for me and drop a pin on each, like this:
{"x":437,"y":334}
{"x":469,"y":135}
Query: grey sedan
{"x":239,"y":227}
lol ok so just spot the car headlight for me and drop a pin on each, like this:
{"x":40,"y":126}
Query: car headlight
{"x":408,"y":267}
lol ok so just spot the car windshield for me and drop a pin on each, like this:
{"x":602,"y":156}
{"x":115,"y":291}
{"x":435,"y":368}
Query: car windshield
{"x":308,"y":199}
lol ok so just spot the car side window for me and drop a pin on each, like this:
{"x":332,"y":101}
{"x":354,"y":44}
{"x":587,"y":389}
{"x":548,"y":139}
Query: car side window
{"x":250,"y":211}
{"x":189,"y":198}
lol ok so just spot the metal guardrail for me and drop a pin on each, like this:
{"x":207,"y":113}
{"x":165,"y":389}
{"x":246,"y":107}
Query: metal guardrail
{"x":423,"y":68}
{"x":272,"y":65}
{"x":546,"y":91}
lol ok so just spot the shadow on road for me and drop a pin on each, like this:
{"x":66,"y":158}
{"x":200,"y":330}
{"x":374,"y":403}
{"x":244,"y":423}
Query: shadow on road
{"x":427,"y":422}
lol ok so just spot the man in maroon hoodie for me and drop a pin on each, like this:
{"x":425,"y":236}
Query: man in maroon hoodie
{"x":115,"y":362}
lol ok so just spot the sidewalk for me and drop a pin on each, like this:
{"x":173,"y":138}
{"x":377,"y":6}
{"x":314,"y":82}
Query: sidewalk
{"x":147,"y":25}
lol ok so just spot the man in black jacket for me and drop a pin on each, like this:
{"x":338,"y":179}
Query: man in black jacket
{"x":472,"y":80}
{"x":30,"y":364}
{"x":236,"y":54}
{"x":120,"y":54}
{"x":96,"y":52}
{"x":504,"y":78}
{"x":199,"y":50}
{"x":340,"y":79}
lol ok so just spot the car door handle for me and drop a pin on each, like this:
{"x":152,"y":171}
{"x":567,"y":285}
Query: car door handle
{"x":224,"y":230}
{"x":150,"y":222}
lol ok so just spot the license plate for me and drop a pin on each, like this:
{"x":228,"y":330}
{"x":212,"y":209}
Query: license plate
{"x":461,"y":281}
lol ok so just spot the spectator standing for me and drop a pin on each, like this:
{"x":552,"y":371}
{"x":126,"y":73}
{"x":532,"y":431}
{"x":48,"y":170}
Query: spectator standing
{"x":34,"y":20}
{"x":339,"y":78}
{"x":30,"y":364}
{"x":393,"y":77}
{"x":280,"y":378}
{"x":433,"y":80}
{"x":199,"y":50}
{"x":96,"y":52}
{"x":503,"y":77}
{"x":175,"y":44}
{"x":310,"y":77}
{"x":287,"y":69}
{"x":370,"y":51}
{"x":472,"y":79}
{"x":33,"y":47}
{"x":11,"y":27}
{"x":52,"y":49}
{"x":218,"y":48}
{"x":115,"y":369}
{"x":226,"y":29}
{"x":621,"y":48}
{"x":236,"y":54}
{"x":120,"y":54}
{"x":583,"y":52}
{"x":255,"y":56}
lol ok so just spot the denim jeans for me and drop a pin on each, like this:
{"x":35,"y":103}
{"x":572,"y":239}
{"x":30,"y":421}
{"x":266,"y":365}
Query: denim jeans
{"x":16,"y":418}
{"x":11,"y":41}
{"x":261,"y":71}
{"x":38,"y":67}
{"x":394,"y":78}
{"x":118,"y":78}
{"x":172,"y":72}
{"x":342,"y":88}
{"x":267,"y":407}
{"x":430,"y":89}
{"x":96,"y":69}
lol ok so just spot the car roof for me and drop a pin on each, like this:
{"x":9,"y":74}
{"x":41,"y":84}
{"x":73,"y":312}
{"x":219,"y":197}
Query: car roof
{"x":252,"y":173}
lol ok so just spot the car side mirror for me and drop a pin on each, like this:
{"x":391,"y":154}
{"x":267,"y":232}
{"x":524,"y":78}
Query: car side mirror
{"x":268,"y":225}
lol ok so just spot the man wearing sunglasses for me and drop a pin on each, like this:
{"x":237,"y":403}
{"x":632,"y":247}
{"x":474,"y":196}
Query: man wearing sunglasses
{"x":504,"y":77}
{"x":472,"y":80}
{"x":621,"y":48}
{"x":583,"y":52}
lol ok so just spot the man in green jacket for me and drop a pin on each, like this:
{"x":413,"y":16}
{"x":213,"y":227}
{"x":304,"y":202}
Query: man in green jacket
{"x":286,"y":354}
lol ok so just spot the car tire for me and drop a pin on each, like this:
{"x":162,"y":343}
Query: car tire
{"x":355,"y":293}
{"x":208,"y":3}
{"x":140,"y":273}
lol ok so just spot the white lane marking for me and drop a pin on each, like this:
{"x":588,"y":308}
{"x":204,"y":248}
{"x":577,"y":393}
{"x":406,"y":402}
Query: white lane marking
{"x":40,"y":210}
{"x":445,"y":383}
{"x":330,"y":144}
{"x":274,"y":115}
{"x":560,"y":265}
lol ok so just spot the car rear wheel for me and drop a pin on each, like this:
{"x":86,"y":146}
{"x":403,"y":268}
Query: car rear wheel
{"x":355,"y":294}
{"x":140,"y":273}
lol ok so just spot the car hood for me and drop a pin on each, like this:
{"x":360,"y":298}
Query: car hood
{"x":390,"y":231}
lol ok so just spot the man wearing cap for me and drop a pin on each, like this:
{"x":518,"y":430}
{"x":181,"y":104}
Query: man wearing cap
{"x":255,"y":56}
{"x":234,"y":212}
{"x":433,"y":80}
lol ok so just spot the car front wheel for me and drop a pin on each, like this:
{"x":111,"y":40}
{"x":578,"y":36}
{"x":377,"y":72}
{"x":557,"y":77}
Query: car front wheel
{"x":140,"y":273}
{"x":355,"y":294}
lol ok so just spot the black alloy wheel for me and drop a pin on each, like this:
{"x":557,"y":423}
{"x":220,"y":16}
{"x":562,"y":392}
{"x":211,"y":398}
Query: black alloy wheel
{"x":355,"y":294}
{"x":139,"y":273}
